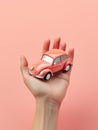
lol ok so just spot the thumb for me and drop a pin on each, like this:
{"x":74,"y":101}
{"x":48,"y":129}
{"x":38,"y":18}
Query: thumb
{"x":24,"y":66}
{"x":23,"y":61}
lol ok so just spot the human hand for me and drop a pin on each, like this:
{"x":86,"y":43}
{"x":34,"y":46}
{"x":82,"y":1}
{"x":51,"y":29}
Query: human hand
{"x":54,"y":89}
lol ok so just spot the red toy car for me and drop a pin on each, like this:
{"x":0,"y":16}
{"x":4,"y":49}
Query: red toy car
{"x":52,"y":61}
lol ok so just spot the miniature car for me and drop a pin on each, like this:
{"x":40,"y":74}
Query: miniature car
{"x":51,"y":62}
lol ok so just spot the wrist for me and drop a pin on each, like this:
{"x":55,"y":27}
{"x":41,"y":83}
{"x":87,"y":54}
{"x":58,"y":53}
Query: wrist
{"x":47,"y":101}
{"x":46,"y":115}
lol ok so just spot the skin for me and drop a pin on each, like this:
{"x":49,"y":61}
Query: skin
{"x":48,"y":94}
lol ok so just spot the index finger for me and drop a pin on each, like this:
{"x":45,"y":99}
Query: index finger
{"x":46,"y":46}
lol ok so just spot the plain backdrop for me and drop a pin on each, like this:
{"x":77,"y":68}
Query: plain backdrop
{"x":24,"y":26}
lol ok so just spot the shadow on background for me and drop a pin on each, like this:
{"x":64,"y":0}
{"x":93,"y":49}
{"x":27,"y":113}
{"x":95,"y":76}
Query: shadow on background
{"x":77,"y":119}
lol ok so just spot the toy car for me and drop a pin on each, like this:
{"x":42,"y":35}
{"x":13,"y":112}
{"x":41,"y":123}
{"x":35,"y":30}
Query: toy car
{"x":51,"y":62}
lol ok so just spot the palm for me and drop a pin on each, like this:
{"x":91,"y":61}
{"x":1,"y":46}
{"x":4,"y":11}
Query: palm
{"x":56,"y":87}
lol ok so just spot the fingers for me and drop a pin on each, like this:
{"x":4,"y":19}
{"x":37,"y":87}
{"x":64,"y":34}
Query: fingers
{"x":71,"y":53}
{"x":46,"y":46}
{"x":63,"y":47}
{"x":56,"y":44}
{"x":24,"y":66}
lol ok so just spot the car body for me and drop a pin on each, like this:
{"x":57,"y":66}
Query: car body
{"x":51,"y":62}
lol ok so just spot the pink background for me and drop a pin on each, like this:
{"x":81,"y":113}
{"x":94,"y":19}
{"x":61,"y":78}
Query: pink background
{"x":24,"y":25}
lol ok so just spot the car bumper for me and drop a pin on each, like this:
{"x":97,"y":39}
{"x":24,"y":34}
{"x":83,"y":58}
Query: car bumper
{"x":37,"y":76}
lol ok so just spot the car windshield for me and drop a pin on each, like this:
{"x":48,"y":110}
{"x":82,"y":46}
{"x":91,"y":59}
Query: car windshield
{"x":47,"y":59}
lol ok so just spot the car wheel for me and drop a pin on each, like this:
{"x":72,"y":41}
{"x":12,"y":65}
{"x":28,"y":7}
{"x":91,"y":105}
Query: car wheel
{"x":48,"y":76}
{"x":67,"y":68}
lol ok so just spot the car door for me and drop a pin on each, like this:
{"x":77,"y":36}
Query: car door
{"x":57,"y":65}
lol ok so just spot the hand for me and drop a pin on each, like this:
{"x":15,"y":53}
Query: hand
{"x":54,"y":89}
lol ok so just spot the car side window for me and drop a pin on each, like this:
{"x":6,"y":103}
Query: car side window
{"x":64,"y":57}
{"x":57,"y":60}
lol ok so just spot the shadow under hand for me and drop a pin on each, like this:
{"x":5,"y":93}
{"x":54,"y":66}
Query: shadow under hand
{"x":77,"y":119}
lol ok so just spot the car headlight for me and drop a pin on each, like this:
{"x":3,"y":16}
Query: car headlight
{"x":31,"y":68}
{"x":41,"y":73}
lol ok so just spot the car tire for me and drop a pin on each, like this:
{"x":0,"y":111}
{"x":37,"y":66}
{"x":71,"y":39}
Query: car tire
{"x":67,"y":68}
{"x":47,"y":76}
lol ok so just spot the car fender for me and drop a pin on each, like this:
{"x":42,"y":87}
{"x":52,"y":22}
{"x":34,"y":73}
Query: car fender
{"x":68,"y":62}
{"x":45,"y":71}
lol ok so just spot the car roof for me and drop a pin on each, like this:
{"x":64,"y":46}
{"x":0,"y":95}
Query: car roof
{"x":55,"y":53}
